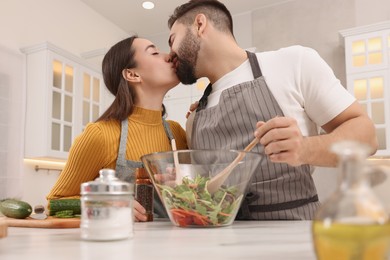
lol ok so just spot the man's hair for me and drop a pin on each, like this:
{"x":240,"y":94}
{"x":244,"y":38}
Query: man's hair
{"x":214,"y":10}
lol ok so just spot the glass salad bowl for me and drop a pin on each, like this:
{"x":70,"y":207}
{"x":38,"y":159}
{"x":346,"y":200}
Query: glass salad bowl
{"x":181,"y":179}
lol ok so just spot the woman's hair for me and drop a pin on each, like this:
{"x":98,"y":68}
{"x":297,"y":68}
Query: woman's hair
{"x":214,"y":10}
{"x":119,"y":57}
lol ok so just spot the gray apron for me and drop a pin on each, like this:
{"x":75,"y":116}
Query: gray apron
{"x":278,"y":190}
{"x":125,"y":169}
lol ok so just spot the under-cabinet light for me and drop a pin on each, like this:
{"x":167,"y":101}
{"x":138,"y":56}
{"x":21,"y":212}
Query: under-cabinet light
{"x":45,"y":162}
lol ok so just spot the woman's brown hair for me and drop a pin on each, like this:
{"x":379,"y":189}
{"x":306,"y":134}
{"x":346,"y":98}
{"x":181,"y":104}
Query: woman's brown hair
{"x":119,"y":57}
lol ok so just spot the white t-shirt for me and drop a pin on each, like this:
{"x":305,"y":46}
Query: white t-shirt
{"x":302,"y":83}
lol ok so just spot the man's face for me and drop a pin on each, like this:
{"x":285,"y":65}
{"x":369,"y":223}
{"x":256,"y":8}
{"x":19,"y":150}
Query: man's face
{"x":184,"y":52}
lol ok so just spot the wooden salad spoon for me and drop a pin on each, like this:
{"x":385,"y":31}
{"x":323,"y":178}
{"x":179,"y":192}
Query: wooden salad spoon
{"x":215,"y":183}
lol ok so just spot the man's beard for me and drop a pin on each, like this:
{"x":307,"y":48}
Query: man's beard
{"x":187,"y":58}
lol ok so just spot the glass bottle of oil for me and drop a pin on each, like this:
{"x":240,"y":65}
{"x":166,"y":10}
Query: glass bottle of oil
{"x":352,"y":223}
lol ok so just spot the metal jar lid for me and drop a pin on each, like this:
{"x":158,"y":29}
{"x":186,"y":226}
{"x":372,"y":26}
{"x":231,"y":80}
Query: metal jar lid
{"x":107,"y":184}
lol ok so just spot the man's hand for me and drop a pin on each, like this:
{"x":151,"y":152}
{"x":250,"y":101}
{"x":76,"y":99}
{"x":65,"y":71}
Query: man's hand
{"x":282,"y":140}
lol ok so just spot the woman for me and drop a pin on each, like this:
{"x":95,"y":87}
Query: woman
{"x":139,"y":76}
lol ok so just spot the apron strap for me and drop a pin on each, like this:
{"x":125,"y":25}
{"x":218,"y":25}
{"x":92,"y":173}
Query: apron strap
{"x":256,"y":74}
{"x":283,"y":206}
{"x":189,"y":124}
{"x":168,"y":130}
{"x":203,"y":100}
{"x":125,"y":169}
{"x":254,"y":64}
{"x":121,"y":160}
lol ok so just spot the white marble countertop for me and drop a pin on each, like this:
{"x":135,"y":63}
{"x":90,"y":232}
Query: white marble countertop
{"x":161,"y":240}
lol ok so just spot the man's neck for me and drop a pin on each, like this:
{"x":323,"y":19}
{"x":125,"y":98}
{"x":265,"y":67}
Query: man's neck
{"x":221,"y":59}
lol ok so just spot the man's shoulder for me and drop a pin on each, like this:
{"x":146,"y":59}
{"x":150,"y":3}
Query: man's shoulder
{"x":289,"y":50}
{"x":293,"y":53}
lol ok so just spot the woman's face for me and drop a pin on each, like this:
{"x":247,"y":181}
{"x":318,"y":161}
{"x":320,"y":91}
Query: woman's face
{"x":154,"y":67}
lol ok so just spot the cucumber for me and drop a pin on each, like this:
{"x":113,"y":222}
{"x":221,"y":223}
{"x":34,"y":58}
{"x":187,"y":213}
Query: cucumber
{"x":13,"y":208}
{"x":64,"y":204}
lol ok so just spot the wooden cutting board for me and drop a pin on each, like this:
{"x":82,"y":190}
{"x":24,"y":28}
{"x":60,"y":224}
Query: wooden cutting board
{"x":3,"y":228}
{"x":50,"y":222}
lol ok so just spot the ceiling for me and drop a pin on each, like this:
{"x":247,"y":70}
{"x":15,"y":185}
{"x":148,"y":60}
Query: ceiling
{"x":132,"y":18}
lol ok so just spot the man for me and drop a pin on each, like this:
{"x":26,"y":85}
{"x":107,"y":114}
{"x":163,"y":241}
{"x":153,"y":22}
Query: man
{"x":291,"y":93}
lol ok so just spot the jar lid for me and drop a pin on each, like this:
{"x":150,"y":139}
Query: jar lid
{"x":106,"y":184}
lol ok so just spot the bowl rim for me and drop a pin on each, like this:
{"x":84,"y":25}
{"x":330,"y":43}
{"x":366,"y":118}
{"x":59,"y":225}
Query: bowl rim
{"x":203,"y":150}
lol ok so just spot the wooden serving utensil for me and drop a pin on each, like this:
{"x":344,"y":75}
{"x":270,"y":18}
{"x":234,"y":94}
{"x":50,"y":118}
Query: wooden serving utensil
{"x":176,"y":163}
{"x":215,"y":183}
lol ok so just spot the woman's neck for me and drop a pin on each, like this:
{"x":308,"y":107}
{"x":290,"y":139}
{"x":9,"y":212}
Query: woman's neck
{"x":150,"y":101}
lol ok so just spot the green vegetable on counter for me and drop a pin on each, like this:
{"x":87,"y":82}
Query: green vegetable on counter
{"x":63,"y":207}
{"x":14,"y":208}
{"x":65,"y":214}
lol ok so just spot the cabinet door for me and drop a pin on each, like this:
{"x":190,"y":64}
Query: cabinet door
{"x":91,"y":97}
{"x":367,"y":52}
{"x":372,"y":91}
{"x":62,"y":97}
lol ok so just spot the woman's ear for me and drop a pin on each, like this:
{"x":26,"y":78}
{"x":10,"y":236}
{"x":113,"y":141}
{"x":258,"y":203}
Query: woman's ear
{"x":131,"y":76}
{"x":200,"y":23}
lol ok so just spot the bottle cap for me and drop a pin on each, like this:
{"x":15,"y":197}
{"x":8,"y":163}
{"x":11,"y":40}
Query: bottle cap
{"x":107,"y":184}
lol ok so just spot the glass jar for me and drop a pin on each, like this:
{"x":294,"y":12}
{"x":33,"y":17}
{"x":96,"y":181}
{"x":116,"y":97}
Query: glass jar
{"x":352,"y":223}
{"x":106,"y":208}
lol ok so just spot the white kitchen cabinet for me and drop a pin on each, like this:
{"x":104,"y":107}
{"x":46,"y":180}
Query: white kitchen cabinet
{"x":367,"y":58}
{"x":64,"y":93}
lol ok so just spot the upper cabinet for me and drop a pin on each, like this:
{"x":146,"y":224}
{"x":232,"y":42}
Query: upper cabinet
{"x":64,"y":93}
{"x":367,"y":58}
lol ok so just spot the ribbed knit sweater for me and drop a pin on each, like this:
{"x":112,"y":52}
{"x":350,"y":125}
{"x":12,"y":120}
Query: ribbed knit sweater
{"x":97,"y":148}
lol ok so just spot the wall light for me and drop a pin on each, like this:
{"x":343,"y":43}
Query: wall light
{"x":148,"y":5}
{"x":41,"y":164}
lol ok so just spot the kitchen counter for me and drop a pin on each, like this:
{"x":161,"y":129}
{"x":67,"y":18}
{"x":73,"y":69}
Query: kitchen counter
{"x":161,"y":240}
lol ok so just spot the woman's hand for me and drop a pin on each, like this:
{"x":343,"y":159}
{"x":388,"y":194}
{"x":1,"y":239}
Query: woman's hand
{"x":193,"y":106}
{"x":139,"y":212}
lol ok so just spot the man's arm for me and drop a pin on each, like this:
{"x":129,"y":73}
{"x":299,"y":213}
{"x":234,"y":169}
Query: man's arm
{"x":284,"y":143}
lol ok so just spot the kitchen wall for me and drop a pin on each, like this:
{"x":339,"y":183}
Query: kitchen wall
{"x":70,"y":25}
{"x":309,"y":23}
{"x":11,"y":127}
{"x":74,"y":27}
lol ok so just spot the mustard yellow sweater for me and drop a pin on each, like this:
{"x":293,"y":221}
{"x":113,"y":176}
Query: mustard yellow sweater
{"x":97,"y":148}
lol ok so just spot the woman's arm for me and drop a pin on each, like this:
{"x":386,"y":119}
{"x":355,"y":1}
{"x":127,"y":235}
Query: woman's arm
{"x":86,"y":158}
